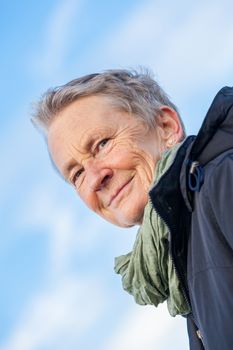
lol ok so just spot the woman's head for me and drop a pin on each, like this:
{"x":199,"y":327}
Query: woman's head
{"x":105,"y":134}
{"x":130,"y":91}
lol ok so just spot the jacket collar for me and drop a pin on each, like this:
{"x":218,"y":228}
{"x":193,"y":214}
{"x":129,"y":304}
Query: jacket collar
{"x":168,"y":202}
{"x":170,"y":196}
{"x":216,"y":133}
{"x":215,"y":137}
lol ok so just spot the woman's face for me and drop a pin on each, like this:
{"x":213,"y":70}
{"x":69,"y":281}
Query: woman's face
{"x":109,"y":156}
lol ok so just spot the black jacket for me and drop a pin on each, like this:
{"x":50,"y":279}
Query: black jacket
{"x":195,"y":199}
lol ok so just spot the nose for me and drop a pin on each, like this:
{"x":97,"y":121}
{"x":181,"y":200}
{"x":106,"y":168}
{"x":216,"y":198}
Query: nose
{"x":97,"y":175}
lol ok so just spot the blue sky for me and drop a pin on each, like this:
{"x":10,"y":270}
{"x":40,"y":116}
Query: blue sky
{"x":58,"y":289}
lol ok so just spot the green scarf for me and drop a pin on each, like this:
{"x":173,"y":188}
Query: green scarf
{"x":148,"y":272}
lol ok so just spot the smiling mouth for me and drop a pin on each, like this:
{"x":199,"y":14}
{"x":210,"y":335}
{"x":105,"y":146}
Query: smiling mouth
{"x":119,"y":191}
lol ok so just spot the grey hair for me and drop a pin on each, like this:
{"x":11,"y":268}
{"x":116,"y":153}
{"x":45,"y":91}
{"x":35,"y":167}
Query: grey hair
{"x":132,"y":91}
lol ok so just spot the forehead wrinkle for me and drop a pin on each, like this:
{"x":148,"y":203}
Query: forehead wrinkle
{"x":73,"y":161}
{"x":69,"y":162}
{"x":75,"y":150}
{"x":68,"y":166}
{"x":87,"y":140}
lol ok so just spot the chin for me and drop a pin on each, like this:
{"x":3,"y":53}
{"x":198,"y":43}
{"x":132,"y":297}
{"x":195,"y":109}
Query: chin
{"x":128,"y":219}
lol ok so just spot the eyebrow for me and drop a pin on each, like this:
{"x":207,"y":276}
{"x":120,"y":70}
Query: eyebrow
{"x":88,"y":143}
{"x":70,"y":164}
{"x":68,"y":167}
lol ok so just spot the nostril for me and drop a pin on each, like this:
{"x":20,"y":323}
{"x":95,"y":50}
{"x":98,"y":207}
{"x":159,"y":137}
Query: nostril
{"x":99,"y":178}
{"x":105,"y":180}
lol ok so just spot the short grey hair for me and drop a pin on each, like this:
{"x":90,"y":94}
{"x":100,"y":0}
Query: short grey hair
{"x":132,"y":91}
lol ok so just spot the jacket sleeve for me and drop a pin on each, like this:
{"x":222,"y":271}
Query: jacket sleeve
{"x":211,"y":282}
{"x":221,"y":196}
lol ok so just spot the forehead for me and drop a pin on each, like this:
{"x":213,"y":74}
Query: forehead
{"x":80,"y":122}
{"x":87,"y":114}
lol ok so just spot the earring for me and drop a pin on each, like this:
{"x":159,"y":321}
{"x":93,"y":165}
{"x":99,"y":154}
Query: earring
{"x":171,"y":142}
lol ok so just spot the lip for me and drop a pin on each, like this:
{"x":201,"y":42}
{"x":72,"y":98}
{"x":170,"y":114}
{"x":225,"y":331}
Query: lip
{"x":119,"y":191}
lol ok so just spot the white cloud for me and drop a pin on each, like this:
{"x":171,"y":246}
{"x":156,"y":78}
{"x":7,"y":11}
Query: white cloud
{"x":198,"y":50}
{"x":17,"y":149}
{"x":57,"y":315}
{"x":62,"y":220}
{"x":43,"y":209}
{"x":148,"y":328}
{"x":72,"y":229}
{"x":57,"y":38}
{"x":189,"y":47}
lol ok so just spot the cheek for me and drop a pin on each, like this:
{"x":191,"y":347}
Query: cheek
{"x":123,"y":156}
{"x":88,"y":197}
{"x":131,"y":211}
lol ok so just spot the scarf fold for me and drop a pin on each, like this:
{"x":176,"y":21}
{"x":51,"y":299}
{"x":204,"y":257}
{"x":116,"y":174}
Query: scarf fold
{"x":148,"y":272}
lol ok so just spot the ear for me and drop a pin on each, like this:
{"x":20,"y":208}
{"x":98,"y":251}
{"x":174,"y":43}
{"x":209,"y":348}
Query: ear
{"x":170,"y":126}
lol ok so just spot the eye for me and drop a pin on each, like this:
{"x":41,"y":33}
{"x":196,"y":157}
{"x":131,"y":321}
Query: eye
{"x":76,"y":176}
{"x":102,"y":144}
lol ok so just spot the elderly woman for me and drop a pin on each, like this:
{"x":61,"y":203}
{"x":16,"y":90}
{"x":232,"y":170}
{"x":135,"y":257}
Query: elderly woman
{"x":119,"y":141}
